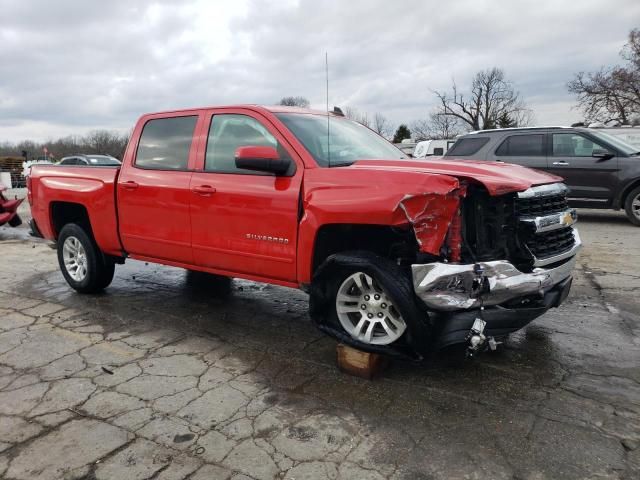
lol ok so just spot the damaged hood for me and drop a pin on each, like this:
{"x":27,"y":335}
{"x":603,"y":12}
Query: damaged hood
{"x":498,"y":178}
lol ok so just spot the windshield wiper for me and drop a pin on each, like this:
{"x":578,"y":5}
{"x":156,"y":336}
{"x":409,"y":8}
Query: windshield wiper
{"x":340,"y":164}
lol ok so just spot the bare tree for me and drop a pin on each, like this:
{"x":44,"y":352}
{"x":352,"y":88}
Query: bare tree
{"x":611,"y":93}
{"x":421,"y":130}
{"x":444,"y":126}
{"x":381,"y":125}
{"x":104,"y":142}
{"x":357,"y":116}
{"x":436,"y":127}
{"x":294,"y":102}
{"x":99,"y":141}
{"x":492,"y":97}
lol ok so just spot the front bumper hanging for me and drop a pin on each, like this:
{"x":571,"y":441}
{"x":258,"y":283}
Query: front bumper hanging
{"x":450,"y":287}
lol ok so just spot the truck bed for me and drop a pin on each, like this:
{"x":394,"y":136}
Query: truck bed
{"x":91,"y":188}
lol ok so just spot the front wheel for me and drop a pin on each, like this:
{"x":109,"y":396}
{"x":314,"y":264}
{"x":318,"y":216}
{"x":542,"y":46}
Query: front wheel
{"x":632,"y":206}
{"x":83,"y":265}
{"x":367,"y":312}
{"x":368,"y":302}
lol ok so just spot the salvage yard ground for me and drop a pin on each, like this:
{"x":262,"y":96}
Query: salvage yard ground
{"x":163,"y":378}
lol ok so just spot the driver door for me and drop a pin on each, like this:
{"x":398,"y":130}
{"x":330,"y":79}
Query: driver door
{"x":244,"y":221}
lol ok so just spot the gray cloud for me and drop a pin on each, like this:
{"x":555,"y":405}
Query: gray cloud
{"x":71,"y":66}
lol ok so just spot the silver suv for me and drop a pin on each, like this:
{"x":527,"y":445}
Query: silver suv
{"x":600,"y":170}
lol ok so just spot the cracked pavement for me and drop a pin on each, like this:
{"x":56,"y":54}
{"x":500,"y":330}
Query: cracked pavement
{"x":168,"y":376}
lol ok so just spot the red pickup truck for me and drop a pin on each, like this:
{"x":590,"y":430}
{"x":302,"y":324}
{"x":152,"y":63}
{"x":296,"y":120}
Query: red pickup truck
{"x":398,"y":255}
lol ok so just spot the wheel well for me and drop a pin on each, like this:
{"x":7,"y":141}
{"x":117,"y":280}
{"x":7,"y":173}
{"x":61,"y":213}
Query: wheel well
{"x":627,"y":191}
{"x":386,"y":241}
{"x":63,"y":213}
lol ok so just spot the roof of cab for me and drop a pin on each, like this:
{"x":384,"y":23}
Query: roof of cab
{"x":268,"y":108}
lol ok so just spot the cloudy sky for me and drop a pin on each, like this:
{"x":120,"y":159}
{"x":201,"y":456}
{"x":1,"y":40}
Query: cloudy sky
{"x":67,"y":67}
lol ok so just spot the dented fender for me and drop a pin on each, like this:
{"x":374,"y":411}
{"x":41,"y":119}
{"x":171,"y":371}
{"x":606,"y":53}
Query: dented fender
{"x":430,"y":216}
{"x":424,"y":201}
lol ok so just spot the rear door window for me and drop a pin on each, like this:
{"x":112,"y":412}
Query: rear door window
{"x":467,"y":146}
{"x":165,"y":143}
{"x":522,"y":146}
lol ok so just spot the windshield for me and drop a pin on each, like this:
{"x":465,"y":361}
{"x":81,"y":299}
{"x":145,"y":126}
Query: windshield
{"x":348,"y":141}
{"x":620,"y":144}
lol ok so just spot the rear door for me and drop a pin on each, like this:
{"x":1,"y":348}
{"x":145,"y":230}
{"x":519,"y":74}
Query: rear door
{"x":154,"y":190}
{"x":590,"y":179}
{"x":526,"y":149}
{"x":244,"y":221}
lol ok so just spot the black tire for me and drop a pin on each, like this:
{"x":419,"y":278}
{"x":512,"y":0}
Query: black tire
{"x":634,"y":196}
{"x":417,"y":340}
{"x":109,"y":270}
{"x":100,"y":269}
{"x":16,"y":221}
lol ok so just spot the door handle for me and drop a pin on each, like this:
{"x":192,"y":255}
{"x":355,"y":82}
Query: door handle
{"x":561,"y":163}
{"x":129,"y":185}
{"x":204,"y":190}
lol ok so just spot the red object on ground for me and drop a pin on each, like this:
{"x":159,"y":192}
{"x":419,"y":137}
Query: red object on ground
{"x":8,"y":208}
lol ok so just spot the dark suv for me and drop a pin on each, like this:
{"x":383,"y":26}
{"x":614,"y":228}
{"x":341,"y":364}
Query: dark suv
{"x":601,"y":171}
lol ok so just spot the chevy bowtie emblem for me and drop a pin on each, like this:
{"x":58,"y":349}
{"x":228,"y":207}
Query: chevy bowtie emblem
{"x":569,"y":218}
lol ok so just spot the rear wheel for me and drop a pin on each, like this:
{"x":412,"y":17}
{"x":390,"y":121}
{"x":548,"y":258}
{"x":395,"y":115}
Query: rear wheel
{"x":83,"y":265}
{"x":632,"y":206}
{"x":368,"y":301}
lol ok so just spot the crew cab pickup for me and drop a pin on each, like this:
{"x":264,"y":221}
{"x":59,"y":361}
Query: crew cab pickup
{"x":398,"y":256}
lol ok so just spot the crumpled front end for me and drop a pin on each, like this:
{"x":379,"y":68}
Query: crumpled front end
{"x":431,"y":217}
{"x":449,"y":287}
{"x":513,"y":255}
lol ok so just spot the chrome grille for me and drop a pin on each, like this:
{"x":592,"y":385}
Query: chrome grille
{"x":542,"y":212}
{"x":540,"y":206}
{"x":548,"y":244}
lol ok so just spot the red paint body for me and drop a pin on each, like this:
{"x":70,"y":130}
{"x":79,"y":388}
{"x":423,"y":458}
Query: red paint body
{"x":221,"y":223}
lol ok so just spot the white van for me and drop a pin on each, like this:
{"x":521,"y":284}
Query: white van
{"x":429,"y":148}
{"x":630,"y":135}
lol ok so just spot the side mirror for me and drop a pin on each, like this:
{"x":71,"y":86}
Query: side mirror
{"x":262,"y":159}
{"x":602,"y":154}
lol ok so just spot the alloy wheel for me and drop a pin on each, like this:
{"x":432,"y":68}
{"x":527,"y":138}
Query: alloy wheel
{"x":635,"y":206}
{"x":367,"y":312}
{"x":75,"y":259}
